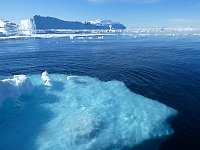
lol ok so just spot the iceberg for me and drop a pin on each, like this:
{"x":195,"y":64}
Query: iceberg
{"x":86,"y":114}
{"x":92,"y":114}
{"x":27,"y":27}
{"x":13,"y":88}
{"x":45,"y":77}
{"x":45,"y":23}
{"x":50,"y":25}
{"x":8,"y":28}
{"x":40,"y":25}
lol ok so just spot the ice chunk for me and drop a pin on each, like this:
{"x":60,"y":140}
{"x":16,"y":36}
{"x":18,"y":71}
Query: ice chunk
{"x":92,"y":114}
{"x":72,"y":77}
{"x":8,"y":28}
{"x":11,"y":88}
{"x":27,"y":27}
{"x":86,"y":114}
{"x":45,"y":77}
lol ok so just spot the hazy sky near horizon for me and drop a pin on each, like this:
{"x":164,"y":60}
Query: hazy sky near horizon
{"x":128,"y":12}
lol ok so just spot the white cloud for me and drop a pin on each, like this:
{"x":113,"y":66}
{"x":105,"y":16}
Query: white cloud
{"x":125,"y":1}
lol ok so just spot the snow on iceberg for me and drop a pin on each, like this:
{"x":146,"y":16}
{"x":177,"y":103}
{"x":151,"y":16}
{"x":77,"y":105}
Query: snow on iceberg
{"x":107,"y":23}
{"x":12,"y":88}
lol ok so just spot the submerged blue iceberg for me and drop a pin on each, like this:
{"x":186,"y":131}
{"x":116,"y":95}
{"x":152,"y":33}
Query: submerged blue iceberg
{"x":88,"y":114}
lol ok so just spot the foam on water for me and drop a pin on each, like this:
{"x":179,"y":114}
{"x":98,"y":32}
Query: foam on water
{"x":92,"y":114}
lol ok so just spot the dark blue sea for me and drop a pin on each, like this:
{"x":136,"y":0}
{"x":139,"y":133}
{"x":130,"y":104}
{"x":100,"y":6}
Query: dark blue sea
{"x":111,"y":77}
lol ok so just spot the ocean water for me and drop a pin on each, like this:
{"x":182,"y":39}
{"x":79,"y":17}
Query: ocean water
{"x":119,"y":92}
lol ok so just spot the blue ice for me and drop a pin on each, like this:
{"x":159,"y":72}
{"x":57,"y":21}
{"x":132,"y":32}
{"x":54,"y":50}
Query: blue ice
{"x":90,"y":114}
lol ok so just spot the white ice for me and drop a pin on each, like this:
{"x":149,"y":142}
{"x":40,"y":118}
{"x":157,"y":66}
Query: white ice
{"x":12,"y":88}
{"x":45,"y":77}
{"x":27,"y":27}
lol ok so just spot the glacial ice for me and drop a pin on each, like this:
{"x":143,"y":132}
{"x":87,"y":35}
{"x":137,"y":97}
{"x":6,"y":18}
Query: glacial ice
{"x":27,"y":27}
{"x":49,"y":27}
{"x":91,"y":114}
{"x":45,"y":77}
{"x":12,"y":88}
{"x":8,"y":28}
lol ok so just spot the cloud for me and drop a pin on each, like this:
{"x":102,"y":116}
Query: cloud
{"x":124,"y":1}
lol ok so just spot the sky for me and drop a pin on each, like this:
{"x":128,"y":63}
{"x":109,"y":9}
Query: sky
{"x":131,"y":13}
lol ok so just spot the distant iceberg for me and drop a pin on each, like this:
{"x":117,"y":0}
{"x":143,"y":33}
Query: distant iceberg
{"x":50,"y":25}
{"x":54,"y":23}
{"x":27,"y":27}
{"x":8,"y":28}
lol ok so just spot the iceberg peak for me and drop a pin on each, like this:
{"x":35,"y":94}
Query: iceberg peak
{"x":102,"y":22}
{"x":45,"y":77}
{"x":12,"y":88}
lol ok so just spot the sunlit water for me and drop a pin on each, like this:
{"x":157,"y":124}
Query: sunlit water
{"x":102,"y":107}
